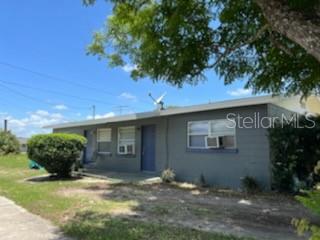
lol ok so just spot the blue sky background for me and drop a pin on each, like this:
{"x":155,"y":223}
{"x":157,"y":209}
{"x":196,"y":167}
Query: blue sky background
{"x":50,"y":37}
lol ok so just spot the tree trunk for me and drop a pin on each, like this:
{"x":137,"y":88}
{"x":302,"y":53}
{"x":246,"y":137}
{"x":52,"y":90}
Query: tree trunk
{"x":293,"y":25}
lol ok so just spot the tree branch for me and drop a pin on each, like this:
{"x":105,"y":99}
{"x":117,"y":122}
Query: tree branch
{"x":239,"y":45}
{"x":279,"y":45}
{"x":292,"y":25}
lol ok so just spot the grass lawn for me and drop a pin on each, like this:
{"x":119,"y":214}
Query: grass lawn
{"x":81,"y":216}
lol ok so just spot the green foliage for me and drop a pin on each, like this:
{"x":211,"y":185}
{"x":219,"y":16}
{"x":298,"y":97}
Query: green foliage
{"x":202,"y":181}
{"x":56,"y":152}
{"x":306,"y":6}
{"x":317,"y":168}
{"x":250,"y":185}
{"x":311,"y":201}
{"x":88,"y":222}
{"x":178,"y":41}
{"x":168,"y":175}
{"x":295,"y":152}
{"x":303,"y":225}
{"x":95,"y":226}
{"x":8,"y":143}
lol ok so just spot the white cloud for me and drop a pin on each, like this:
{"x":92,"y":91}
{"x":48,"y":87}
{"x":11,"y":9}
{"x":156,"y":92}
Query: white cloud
{"x":60,"y":107}
{"x":128,"y":96}
{"x":33,"y":123}
{"x":240,"y":92}
{"x":98,"y":116}
{"x":129,"y":67}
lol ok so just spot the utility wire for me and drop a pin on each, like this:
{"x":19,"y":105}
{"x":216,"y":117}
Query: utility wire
{"x":52,"y":77}
{"x":57,"y":92}
{"x":3,"y":85}
{"x":10,"y":104}
{"x":13,"y":66}
{"x":32,"y":98}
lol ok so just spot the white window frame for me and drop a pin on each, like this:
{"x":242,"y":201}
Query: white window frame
{"x":126,"y":145}
{"x":108,"y":140}
{"x":210,"y":134}
{"x":189,"y":134}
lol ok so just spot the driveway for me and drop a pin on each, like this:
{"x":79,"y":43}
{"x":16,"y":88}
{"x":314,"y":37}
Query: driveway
{"x":17,"y":223}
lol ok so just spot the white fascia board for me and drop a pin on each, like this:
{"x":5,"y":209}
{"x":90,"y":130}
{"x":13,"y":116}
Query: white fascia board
{"x":174,"y":111}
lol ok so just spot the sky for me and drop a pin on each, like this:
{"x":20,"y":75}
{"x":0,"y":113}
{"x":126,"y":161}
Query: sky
{"x":46,"y":77}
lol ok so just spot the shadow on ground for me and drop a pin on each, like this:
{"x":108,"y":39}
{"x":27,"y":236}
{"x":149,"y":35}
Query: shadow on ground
{"x":262,"y":216}
{"x":52,"y":178}
{"x":93,"y":226}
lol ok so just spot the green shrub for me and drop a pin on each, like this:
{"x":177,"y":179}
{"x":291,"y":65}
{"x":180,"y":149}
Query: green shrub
{"x":9,"y":144}
{"x":168,"y":175}
{"x":295,"y":152}
{"x":317,"y":168}
{"x":310,"y":200}
{"x":202,"y":181}
{"x":250,"y":185}
{"x":56,"y":152}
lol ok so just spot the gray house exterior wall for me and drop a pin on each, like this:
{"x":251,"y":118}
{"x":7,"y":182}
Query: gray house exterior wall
{"x":221,"y":168}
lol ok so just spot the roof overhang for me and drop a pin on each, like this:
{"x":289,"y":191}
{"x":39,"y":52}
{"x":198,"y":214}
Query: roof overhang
{"x":175,"y":111}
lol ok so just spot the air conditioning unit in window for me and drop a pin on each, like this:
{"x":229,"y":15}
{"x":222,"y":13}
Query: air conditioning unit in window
{"x":122,"y":149}
{"x":126,"y":149}
{"x":212,"y":142}
{"x":130,"y":148}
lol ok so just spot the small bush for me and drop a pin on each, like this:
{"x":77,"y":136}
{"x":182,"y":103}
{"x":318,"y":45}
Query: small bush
{"x":56,"y":152}
{"x":295,"y":153}
{"x":202,"y":181}
{"x":311,"y":200}
{"x":9,"y":144}
{"x":317,"y":168}
{"x":168,"y":175}
{"x":250,"y":185}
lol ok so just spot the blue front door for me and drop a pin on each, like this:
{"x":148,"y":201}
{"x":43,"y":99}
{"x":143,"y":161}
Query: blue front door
{"x":148,"y":148}
{"x":89,"y":149}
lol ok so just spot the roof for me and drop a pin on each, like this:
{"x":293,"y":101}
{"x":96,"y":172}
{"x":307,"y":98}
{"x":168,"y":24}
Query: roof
{"x":22,"y":140}
{"x":175,"y":111}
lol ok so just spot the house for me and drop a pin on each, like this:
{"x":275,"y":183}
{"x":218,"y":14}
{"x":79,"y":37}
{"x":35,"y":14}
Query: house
{"x":222,"y":141}
{"x":23,"y":144}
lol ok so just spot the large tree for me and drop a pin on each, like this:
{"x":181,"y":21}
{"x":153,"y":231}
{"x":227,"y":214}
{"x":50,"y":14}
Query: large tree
{"x":273,"y":44}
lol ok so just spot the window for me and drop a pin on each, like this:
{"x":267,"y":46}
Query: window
{"x":126,"y":140}
{"x":211,"y":134}
{"x":104,"y":140}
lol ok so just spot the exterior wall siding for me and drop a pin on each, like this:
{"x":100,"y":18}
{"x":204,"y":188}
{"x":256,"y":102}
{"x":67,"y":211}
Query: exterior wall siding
{"x":221,"y":168}
{"x":130,"y":163}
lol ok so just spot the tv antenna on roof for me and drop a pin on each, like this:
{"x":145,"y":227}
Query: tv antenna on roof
{"x":159,"y":101}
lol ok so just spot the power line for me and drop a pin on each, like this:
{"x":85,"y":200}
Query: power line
{"x":57,"y":92}
{"x":32,"y":98}
{"x":49,"y":76}
{"x":10,"y":104}
{"x":52,"y":77}
{"x":49,"y":104}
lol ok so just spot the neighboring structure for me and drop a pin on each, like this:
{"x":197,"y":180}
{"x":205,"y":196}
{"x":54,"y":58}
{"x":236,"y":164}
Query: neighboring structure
{"x":193,"y":141}
{"x":23,"y":144}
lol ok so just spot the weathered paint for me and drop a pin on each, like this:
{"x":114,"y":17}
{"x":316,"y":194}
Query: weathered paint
{"x":222,"y":168}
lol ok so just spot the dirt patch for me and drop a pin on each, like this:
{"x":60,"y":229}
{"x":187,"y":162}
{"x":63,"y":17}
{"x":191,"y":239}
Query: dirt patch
{"x":82,"y":192}
{"x":263,"y":216}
